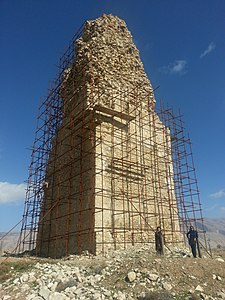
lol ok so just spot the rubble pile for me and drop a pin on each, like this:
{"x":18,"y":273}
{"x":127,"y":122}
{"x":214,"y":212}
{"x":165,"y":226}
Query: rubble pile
{"x":132,"y":274}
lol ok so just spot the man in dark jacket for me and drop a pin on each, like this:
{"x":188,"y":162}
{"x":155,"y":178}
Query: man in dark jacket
{"x":159,"y":241}
{"x":192,"y":236}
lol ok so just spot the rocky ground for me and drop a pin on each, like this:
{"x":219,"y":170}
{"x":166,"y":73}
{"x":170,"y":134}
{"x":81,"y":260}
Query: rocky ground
{"x":136,"y":273}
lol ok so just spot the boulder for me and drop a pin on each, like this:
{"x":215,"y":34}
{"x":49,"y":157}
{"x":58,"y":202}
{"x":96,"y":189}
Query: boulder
{"x":153,"y":277}
{"x":44,"y":292}
{"x":131,"y":276}
{"x":167,"y":286}
{"x":199,"y":288}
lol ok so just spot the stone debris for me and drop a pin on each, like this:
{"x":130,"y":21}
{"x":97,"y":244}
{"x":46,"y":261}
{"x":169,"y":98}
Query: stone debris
{"x":221,"y":295}
{"x":167,"y":286}
{"x":129,"y":274}
{"x":204,"y":296}
{"x":220,"y":259}
{"x":44,"y":292}
{"x":153,"y":277}
{"x":199,"y":288}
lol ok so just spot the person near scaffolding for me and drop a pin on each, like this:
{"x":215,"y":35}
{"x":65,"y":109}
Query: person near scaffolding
{"x":192,"y":236}
{"x":159,"y":241}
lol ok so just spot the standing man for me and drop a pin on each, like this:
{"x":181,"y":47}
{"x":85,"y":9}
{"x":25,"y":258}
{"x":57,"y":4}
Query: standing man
{"x":159,"y":241}
{"x":192,"y":236}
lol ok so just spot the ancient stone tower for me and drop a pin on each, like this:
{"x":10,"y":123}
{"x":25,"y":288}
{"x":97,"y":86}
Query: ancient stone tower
{"x":106,"y":179}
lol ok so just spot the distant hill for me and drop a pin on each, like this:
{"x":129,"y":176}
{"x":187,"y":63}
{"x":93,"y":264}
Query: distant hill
{"x":8,"y":243}
{"x":215,"y":234}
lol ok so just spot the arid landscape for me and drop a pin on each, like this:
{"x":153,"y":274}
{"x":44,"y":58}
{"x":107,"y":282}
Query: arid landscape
{"x":135,"y":273}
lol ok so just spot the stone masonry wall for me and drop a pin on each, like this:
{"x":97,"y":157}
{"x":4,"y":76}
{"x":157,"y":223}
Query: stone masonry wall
{"x":110,"y":170}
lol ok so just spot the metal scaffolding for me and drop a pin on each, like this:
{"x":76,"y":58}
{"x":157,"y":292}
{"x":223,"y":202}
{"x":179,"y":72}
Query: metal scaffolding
{"x":104,"y":177}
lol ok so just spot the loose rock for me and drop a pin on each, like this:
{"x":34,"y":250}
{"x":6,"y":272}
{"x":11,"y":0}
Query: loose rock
{"x":131,"y":276}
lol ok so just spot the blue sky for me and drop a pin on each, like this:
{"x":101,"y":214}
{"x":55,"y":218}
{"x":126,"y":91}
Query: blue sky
{"x":182,"y":46}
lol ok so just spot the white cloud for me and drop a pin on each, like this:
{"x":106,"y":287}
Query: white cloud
{"x":210,"y":48}
{"x":178,"y":67}
{"x":218,"y":195}
{"x":11,"y":192}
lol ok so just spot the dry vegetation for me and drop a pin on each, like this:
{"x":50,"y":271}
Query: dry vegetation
{"x":184,"y":274}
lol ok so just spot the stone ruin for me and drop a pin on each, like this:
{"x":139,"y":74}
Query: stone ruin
{"x":109,"y":176}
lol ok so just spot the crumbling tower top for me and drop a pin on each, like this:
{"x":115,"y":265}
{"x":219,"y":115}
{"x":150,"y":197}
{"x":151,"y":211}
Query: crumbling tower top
{"x":108,"y":65}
